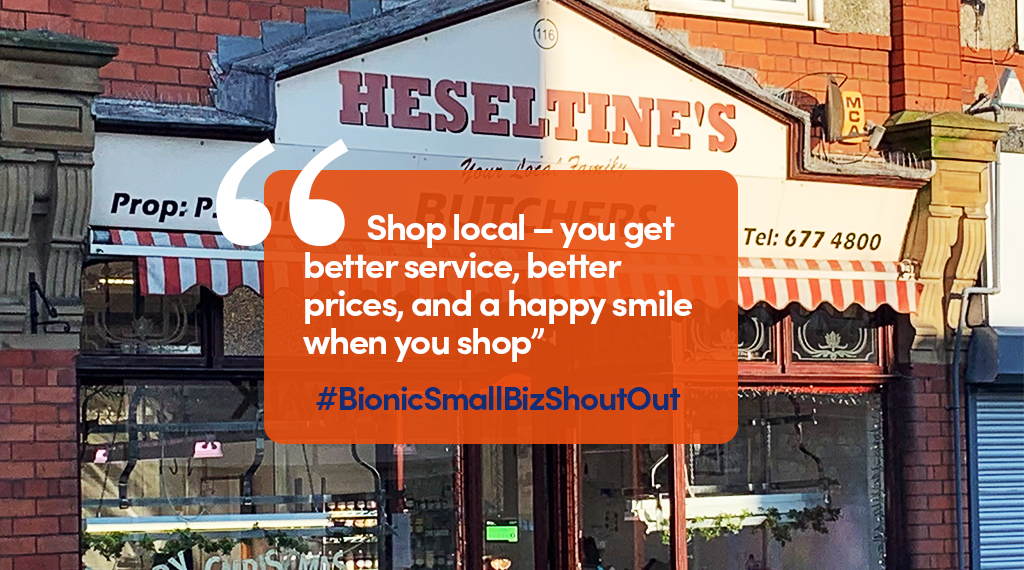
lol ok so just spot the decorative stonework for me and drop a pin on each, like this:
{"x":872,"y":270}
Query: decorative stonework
{"x":47,"y":83}
{"x":946,"y":236}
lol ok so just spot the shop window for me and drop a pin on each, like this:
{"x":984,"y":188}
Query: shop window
{"x":162,"y":455}
{"x":243,"y":323}
{"x":828,"y":335}
{"x":792,"y":12}
{"x":799,"y":487}
{"x":514,"y":505}
{"x":625,"y":507}
{"x":120,"y":321}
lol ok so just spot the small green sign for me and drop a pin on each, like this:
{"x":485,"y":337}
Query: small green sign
{"x":501,"y":531}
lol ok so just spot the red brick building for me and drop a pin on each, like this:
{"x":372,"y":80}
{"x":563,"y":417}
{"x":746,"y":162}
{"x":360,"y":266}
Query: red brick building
{"x":917,"y":68}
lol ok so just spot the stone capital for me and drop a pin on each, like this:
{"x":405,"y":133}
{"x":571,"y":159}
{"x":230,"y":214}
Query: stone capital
{"x":946,"y":235}
{"x":47,"y":84}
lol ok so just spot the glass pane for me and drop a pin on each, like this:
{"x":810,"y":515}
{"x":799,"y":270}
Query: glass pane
{"x":827,"y":335}
{"x":508,"y":504}
{"x":626,"y":492}
{"x":425,"y":486}
{"x":812,"y":458}
{"x":119,"y":321}
{"x":243,"y":323}
{"x":196,"y":442}
{"x":756,"y":334}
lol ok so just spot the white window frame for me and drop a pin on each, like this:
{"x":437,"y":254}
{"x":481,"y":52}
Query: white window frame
{"x":1019,"y":5}
{"x":808,"y":13}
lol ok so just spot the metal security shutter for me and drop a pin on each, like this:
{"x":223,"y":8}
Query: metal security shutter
{"x":998,"y":456}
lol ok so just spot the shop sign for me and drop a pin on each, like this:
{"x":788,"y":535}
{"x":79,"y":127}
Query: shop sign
{"x":537,"y":84}
{"x":173,"y":185}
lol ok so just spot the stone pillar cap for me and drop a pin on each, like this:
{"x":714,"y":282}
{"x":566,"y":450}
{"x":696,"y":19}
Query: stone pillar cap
{"x":942,"y":135}
{"x":51,"y":41}
{"x":42,"y":46}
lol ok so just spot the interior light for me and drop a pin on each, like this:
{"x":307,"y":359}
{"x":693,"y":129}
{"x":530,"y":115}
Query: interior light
{"x":224,"y":523}
{"x":101,"y":456}
{"x":500,"y":563}
{"x":116,"y":281}
{"x":208,"y":450}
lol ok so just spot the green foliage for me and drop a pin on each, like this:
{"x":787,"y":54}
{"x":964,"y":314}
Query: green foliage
{"x":186,"y":540}
{"x":110,"y":545}
{"x":782,"y":526}
{"x":282,"y":541}
{"x":107,"y":545}
{"x":810,"y":518}
{"x":723,"y":523}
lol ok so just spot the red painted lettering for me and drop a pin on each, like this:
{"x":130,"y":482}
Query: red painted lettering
{"x":566,"y":103}
{"x":727,"y":141}
{"x":639,"y":120}
{"x":353,"y":98}
{"x":669,"y":124}
{"x":458,"y":119}
{"x":485,"y":109}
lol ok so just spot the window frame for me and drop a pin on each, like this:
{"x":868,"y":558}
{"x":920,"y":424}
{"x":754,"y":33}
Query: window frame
{"x":803,"y":13}
{"x":211,"y":329}
{"x":786,"y":370}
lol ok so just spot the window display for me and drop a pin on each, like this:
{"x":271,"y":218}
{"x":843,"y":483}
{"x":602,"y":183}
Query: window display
{"x":182,"y":474}
{"x":799,"y":487}
{"x":514,"y":507}
{"x":621,"y":485}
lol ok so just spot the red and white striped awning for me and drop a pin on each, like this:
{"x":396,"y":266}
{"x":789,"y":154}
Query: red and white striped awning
{"x":810,"y":283}
{"x":171,"y":263}
{"x":641,"y":275}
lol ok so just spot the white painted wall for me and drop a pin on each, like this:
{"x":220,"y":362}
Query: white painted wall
{"x":1007,"y":308}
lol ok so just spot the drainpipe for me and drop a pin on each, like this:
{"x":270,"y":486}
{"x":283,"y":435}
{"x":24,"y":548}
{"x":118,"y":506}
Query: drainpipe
{"x":965,"y":298}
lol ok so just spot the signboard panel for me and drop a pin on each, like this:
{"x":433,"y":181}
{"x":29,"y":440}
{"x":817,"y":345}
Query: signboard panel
{"x":491,"y":88}
{"x":774,"y":213}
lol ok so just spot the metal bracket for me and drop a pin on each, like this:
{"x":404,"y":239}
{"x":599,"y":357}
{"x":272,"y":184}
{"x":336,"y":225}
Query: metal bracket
{"x":257,"y":460}
{"x":133,"y":449}
{"x":34,"y":289}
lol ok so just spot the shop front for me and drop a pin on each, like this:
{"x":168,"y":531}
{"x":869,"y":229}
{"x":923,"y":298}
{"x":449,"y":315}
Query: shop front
{"x":177,"y":471}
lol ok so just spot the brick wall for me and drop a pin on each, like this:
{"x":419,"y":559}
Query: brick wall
{"x":163,"y":42}
{"x":923,"y":452}
{"x":164,"y":46}
{"x":926,"y":55}
{"x":782,"y":56}
{"x":39,"y":490}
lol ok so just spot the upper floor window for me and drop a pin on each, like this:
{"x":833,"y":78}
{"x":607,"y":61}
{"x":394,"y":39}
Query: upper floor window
{"x":790,"y":12}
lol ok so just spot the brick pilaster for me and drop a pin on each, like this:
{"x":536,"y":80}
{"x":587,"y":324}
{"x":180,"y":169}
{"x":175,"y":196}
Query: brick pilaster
{"x":39,"y":490}
{"x":925,"y":57}
{"x":924,"y":448}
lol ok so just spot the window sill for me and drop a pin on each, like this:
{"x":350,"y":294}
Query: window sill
{"x":683,"y":8}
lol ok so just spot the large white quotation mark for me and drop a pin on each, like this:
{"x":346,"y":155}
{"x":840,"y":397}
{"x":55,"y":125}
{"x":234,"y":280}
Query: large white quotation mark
{"x":243,"y":222}
{"x":316,"y":222}
{"x":247,"y":222}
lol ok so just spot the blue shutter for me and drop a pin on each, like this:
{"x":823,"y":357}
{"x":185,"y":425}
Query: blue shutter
{"x":999,"y":475}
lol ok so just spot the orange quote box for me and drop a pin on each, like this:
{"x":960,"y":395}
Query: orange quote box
{"x":461,"y":320}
